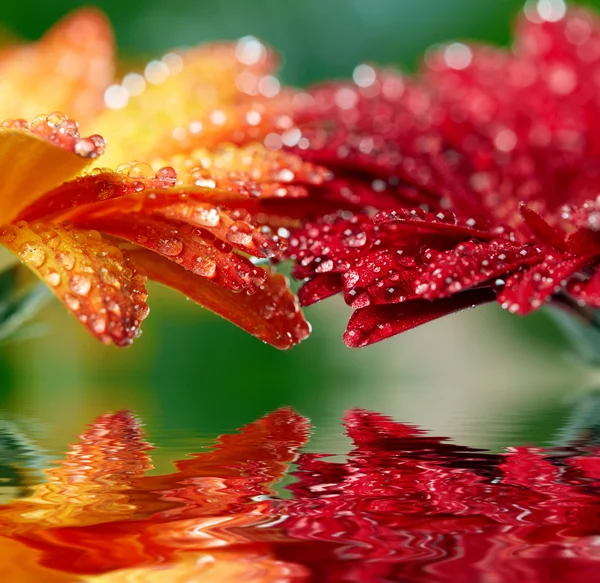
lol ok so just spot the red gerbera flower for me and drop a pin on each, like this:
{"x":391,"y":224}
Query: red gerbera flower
{"x":478,"y":180}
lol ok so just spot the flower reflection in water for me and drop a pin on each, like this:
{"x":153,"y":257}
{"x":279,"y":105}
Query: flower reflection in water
{"x":404,"y":506}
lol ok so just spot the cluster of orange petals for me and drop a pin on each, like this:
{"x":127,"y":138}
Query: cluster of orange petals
{"x":101,"y":518}
{"x":176,"y":189}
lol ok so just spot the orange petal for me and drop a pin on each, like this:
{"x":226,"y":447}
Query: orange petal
{"x":69,"y":69}
{"x":250,"y":170}
{"x":245,"y":120}
{"x":185,"y":245}
{"x":175,"y":91}
{"x":226,"y":176}
{"x":231,"y":226}
{"x":92,"y":277}
{"x":31,"y":165}
{"x":272,"y":314}
{"x":89,"y":190}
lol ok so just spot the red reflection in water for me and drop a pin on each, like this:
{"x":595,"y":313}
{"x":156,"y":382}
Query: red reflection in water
{"x":403,"y":507}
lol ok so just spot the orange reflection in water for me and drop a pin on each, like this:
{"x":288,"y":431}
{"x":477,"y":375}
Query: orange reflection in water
{"x":99,"y":518}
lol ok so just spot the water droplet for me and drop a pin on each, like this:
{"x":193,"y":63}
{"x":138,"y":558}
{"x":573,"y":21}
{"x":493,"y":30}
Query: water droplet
{"x":52,"y":278}
{"x":141,"y":170}
{"x":71,"y":302}
{"x":206,"y":216}
{"x":80,"y":284}
{"x":170,"y":246}
{"x":205,"y":267}
{"x":66,"y":260}
{"x":240,"y":233}
{"x":32,"y":254}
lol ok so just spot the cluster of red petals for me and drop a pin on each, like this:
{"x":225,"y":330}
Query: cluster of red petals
{"x":407,"y":506}
{"x":476,"y":180}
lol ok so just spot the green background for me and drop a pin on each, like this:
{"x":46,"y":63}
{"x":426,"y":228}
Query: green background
{"x":483,"y":377}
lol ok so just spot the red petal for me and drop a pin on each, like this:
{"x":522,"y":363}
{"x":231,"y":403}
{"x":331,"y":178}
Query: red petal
{"x":375,"y":323}
{"x":320,"y":287}
{"x":542,"y":230}
{"x":327,"y":245}
{"x":472,"y":264}
{"x":380,"y":277}
{"x":587,"y":291}
{"x":526,"y":291}
{"x":443,"y":223}
{"x":271,"y":313}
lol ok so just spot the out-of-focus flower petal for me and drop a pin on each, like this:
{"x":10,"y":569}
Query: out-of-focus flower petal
{"x":375,"y":323}
{"x":91,"y":276}
{"x":271,"y":313}
{"x":180,"y":92}
{"x":69,"y":69}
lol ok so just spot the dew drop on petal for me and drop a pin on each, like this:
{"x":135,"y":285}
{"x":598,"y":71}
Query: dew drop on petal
{"x":32,"y":254}
{"x":207,"y":217}
{"x":80,"y":284}
{"x":170,"y":246}
{"x":205,"y":267}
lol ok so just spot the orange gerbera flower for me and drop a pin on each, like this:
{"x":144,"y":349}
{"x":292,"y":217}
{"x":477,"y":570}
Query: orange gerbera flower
{"x":185,"y":172}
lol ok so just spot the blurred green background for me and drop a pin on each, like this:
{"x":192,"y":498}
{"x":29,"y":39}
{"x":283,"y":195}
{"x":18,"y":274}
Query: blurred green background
{"x":484,"y":377}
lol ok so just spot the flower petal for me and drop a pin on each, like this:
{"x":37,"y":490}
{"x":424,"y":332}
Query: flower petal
{"x":192,"y":248}
{"x":234,"y":227}
{"x":92,"y":277}
{"x":375,"y":323}
{"x":380,"y":277}
{"x":246,"y":171}
{"x":22,"y":155}
{"x":443,"y":223}
{"x":587,"y":291}
{"x":179,"y":92}
{"x":526,"y":291}
{"x":322,"y":286}
{"x":272,"y":313}
{"x":472,"y":264}
{"x":89,"y":190}
{"x":69,"y":69}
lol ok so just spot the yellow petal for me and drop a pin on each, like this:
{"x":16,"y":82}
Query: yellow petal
{"x":176,"y":91}
{"x":92,"y":277}
{"x":30,"y":167}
